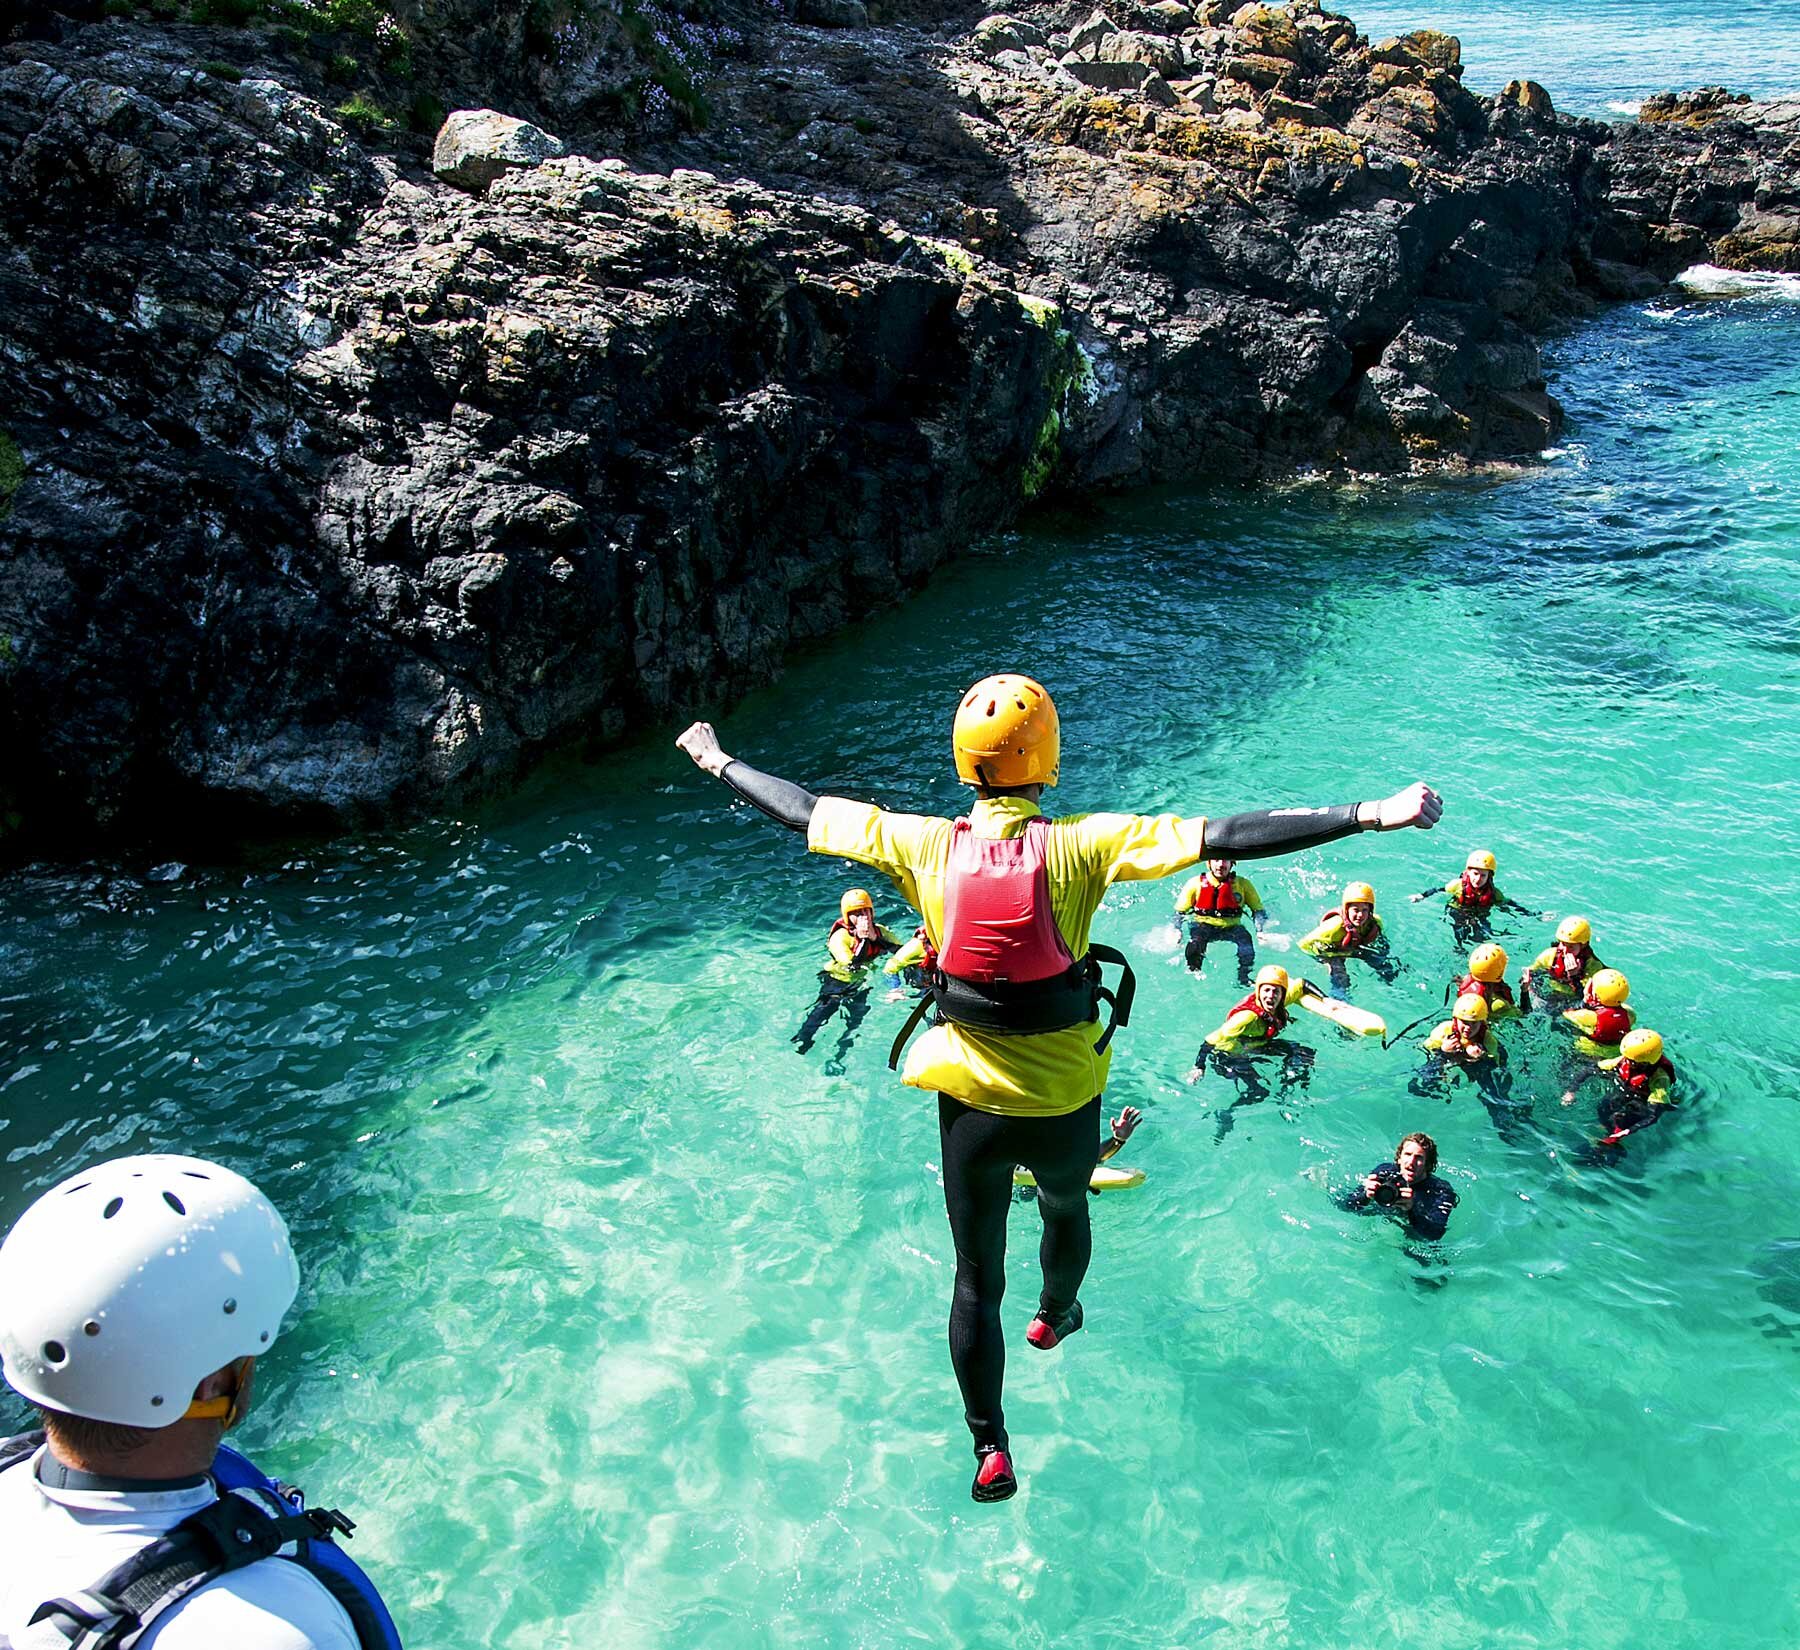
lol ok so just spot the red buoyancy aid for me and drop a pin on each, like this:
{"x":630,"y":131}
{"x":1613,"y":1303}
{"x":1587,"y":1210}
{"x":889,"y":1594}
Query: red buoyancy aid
{"x":1273,"y":1024}
{"x":998,"y":924}
{"x":1610,"y":1025}
{"x":1559,"y":970}
{"x":1483,"y":899}
{"x":868,"y":947}
{"x":1489,"y":991}
{"x":1639,"y":1080}
{"x":1217,"y":899}
{"x":1353,"y":937}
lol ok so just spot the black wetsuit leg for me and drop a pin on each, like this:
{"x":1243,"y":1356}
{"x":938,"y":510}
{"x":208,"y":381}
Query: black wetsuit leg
{"x":1338,"y":977}
{"x":832,"y":993}
{"x":1246,"y":950}
{"x":856,"y":1007}
{"x":1200,"y":936}
{"x":979,"y":1151}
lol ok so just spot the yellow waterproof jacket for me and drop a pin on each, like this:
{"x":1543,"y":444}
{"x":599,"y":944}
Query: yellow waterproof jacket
{"x":1047,"y":1073}
{"x":1242,"y":886}
{"x":910,"y":954}
{"x":1244,"y":1027}
{"x":1327,"y":940}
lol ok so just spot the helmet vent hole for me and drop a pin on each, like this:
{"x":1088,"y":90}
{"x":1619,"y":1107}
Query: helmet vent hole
{"x":90,"y":1328}
{"x":55,"y":1353}
{"x":265,"y":1336}
{"x":992,"y":707}
{"x":70,"y":1191}
{"x":230,"y":1307}
{"x":112,"y":1208}
{"x":156,"y":1402}
{"x":175,"y":1203}
{"x":194,"y":1174}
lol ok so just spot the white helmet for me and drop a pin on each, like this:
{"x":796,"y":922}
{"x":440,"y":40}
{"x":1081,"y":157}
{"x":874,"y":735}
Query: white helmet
{"x":123,"y":1288}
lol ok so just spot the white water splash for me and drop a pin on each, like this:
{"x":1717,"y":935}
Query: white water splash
{"x":1710,"y":281}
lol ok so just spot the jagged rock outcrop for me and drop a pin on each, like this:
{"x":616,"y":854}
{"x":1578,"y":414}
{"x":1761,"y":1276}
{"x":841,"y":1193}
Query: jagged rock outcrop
{"x":341,"y":491}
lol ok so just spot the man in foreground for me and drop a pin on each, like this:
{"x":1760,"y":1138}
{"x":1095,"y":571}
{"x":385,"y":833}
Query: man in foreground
{"x":135,"y":1299}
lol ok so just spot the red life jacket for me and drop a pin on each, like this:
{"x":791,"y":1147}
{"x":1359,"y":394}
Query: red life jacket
{"x":1217,"y":899}
{"x":1353,"y":938}
{"x":1483,"y":900}
{"x":998,"y":924}
{"x":1638,"y":1080}
{"x":1489,"y":991}
{"x":1273,"y":1024}
{"x":1559,"y":970}
{"x":1610,"y":1025}
{"x":868,"y":947}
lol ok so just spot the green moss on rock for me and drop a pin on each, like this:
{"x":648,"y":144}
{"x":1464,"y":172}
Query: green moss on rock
{"x":12,"y":471}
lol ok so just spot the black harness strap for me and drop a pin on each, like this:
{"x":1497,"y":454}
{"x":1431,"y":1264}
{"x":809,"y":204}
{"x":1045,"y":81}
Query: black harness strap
{"x":1119,"y":1002}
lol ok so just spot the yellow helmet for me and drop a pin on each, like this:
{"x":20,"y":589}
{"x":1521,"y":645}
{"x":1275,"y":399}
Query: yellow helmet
{"x":1481,"y":860}
{"x":1488,"y":963}
{"x":1359,"y":893}
{"x":1641,"y":1048}
{"x":1272,"y":974}
{"x":1006,"y":734}
{"x":856,"y":899}
{"x":1610,"y":987}
{"x":1574,"y":931}
{"x":1471,"y":1007}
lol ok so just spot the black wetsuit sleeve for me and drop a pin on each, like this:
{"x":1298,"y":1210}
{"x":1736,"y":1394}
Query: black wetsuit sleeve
{"x":1270,"y":831}
{"x":1431,"y":1208}
{"x":783,"y":801}
{"x":1356,"y":1199}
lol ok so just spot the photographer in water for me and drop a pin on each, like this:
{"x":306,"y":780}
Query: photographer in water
{"x":1408,"y":1188}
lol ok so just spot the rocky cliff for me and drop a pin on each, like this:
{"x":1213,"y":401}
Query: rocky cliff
{"x":333,"y":489}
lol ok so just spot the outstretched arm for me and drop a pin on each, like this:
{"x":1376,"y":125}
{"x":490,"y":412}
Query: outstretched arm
{"x":783,"y":801}
{"x":1270,"y":831}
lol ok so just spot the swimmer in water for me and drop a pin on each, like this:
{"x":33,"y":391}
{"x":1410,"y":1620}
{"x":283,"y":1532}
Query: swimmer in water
{"x":1640,"y":1081}
{"x":1351,"y":929}
{"x":1605,"y":1014}
{"x":1486,"y":979}
{"x":1463,"y":1043}
{"x":1215,"y":903}
{"x":856,"y":940}
{"x":912,"y":964}
{"x":1407,"y":1188}
{"x":1473,"y":898}
{"x":1560,"y":969}
{"x":1251,"y":1034}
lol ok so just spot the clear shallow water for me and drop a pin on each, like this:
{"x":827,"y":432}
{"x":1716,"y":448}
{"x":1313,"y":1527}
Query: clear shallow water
{"x":623,"y":1324}
{"x":1603,"y":58}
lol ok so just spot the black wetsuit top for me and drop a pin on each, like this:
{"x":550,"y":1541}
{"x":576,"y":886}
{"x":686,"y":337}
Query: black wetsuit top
{"x":1432,"y":1201}
{"x":1254,"y":835}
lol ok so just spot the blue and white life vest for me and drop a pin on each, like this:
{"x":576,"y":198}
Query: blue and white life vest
{"x":255,"y":1518}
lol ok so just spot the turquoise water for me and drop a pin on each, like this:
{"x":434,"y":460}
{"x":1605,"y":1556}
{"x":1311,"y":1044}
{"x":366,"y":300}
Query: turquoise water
{"x":1603,"y":57}
{"x":623,"y":1323}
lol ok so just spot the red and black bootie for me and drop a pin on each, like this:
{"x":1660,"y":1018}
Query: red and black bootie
{"x":1048,"y":1331}
{"x":994,"y":1480}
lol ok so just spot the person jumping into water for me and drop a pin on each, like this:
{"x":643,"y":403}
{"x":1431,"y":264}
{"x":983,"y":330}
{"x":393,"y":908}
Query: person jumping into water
{"x":1019,"y":1056}
{"x":1351,"y":929}
{"x":856,"y":940}
{"x":1215,"y":903}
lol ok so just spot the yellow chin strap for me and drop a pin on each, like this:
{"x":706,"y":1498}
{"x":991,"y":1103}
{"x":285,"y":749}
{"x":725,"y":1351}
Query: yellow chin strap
{"x":228,"y":1408}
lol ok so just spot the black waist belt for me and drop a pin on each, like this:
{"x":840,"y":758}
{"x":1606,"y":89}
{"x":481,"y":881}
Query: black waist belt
{"x":1023,"y":1008}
